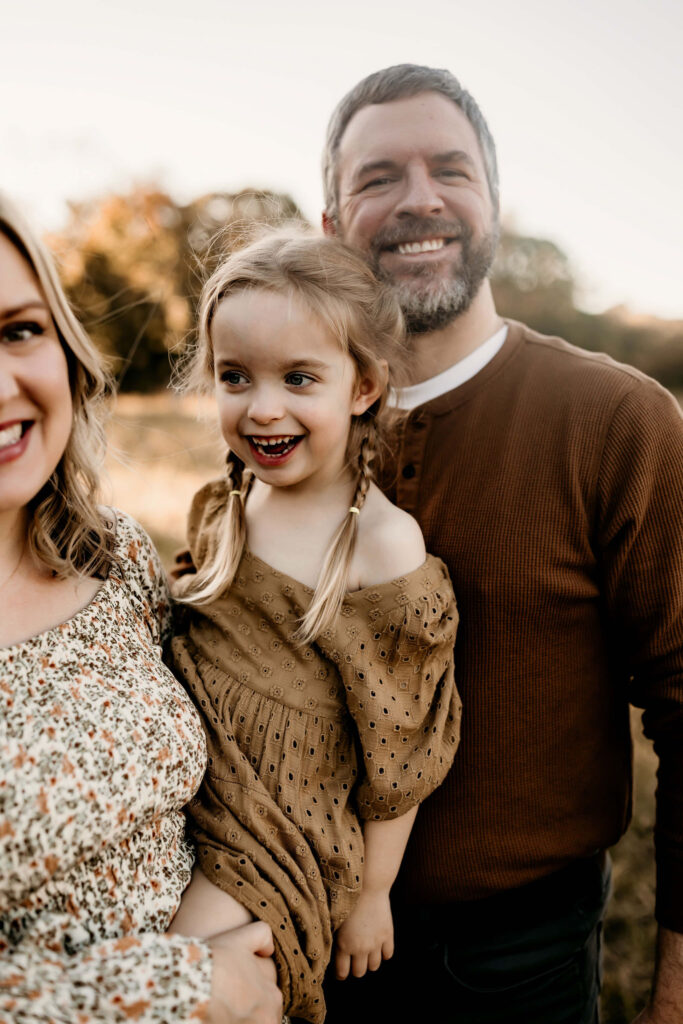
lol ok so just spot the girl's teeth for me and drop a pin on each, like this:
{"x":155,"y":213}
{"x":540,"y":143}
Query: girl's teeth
{"x":10,"y":435}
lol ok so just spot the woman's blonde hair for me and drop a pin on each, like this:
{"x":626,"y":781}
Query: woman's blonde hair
{"x":66,"y":531}
{"x":339,"y":288}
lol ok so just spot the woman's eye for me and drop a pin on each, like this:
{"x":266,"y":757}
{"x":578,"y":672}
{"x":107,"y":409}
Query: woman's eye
{"x":22,"y":331}
{"x":299,"y":380}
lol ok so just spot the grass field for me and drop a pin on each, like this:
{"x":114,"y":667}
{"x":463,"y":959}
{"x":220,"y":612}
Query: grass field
{"x":161,"y":452}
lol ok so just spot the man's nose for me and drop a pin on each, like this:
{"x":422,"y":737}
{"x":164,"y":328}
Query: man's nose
{"x":266,"y":404}
{"x":421,"y":195}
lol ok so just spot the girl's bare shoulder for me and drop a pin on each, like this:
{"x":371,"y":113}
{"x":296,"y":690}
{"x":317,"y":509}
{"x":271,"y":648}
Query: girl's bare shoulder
{"x":390,"y":541}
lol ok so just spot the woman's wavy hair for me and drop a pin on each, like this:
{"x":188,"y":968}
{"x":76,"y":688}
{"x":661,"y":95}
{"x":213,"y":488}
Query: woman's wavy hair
{"x":67,"y":532}
{"x":336,"y":284}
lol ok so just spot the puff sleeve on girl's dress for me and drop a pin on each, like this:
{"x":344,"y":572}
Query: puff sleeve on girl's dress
{"x":394,"y":651}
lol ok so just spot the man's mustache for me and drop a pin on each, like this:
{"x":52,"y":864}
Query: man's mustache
{"x":416,"y":229}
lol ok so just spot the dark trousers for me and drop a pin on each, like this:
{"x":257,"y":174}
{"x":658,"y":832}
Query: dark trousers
{"x":529,"y":956}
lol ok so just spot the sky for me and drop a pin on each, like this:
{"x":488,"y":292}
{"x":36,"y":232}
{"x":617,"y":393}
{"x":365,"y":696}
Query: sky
{"x":584,"y":99}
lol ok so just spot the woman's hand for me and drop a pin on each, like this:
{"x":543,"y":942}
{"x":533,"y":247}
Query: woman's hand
{"x":243,"y":987}
{"x":366,"y":937}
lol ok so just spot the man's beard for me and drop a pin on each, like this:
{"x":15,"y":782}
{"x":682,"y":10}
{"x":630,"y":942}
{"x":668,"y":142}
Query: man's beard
{"x":439,"y":301}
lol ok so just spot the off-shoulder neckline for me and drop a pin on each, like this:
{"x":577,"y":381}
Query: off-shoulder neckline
{"x":350,"y":594}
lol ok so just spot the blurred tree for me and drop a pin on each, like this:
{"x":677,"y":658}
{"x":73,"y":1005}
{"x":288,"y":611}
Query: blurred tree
{"x":133,"y":266}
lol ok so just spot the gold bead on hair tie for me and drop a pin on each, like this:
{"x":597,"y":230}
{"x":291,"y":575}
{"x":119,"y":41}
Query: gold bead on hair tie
{"x":355,"y":510}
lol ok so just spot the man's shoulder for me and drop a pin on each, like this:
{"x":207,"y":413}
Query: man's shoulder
{"x":579,"y":368}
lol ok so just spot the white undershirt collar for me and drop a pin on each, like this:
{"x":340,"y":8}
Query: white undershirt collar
{"x":453,"y":377}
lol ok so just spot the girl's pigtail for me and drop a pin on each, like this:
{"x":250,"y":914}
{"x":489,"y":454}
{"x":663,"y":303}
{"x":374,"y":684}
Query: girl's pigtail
{"x":220,"y":565}
{"x":332,"y":584}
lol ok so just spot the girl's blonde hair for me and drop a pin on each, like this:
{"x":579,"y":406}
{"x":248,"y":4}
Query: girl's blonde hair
{"x":66,"y":530}
{"x":339,"y":288}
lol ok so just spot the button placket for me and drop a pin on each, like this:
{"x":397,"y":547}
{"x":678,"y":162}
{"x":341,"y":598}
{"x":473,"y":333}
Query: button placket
{"x":410,"y":463}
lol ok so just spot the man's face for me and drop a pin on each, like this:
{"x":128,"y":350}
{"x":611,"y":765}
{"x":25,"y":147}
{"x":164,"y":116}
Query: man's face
{"x":413,"y":195}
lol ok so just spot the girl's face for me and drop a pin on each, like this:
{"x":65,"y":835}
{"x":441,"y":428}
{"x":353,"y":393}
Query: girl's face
{"x":35,"y":396}
{"x":286,"y":391}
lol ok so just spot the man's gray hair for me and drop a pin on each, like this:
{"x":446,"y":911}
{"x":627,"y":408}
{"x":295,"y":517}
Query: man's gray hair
{"x":396,"y":83}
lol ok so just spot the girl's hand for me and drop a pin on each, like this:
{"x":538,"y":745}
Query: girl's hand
{"x":366,"y":936}
{"x":243,"y":981}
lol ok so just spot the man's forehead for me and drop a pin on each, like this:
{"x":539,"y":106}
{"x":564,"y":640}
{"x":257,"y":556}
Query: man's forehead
{"x":428,"y":123}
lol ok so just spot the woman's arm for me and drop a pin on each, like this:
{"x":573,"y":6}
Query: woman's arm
{"x":367,"y":935}
{"x":153,"y":979}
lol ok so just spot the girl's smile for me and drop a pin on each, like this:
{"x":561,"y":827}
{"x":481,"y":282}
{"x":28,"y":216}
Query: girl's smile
{"x":286,"y":389}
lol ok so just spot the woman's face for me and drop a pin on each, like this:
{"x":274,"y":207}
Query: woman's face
{"x":35,"y":396}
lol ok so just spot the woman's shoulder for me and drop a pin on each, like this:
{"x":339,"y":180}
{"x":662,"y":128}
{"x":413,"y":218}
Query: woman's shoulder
{"x":390,"y":542}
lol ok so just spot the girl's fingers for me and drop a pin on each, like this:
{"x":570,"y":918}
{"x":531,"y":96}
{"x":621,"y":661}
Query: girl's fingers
{"x":342,"y":965}
{"x":359,"y":965}
{"x":387,"y":949}
{"x":375,"y":959}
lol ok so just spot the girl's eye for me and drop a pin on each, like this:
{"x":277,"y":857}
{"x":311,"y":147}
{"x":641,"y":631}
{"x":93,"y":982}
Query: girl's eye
{"x":299,"y":380}
{"x":18,"y":332}
{"x":233,"y":377}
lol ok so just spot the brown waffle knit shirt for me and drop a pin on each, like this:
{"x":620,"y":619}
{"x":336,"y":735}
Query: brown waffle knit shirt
{"x":551,"y":484}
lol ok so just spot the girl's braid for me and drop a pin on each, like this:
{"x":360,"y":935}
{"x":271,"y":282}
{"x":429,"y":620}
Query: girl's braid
{"x":368,"y":452}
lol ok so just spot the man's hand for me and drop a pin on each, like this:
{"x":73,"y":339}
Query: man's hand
{"x":243,"y":986}
{"x":366,"y":937}
{"x":666,"y":1002}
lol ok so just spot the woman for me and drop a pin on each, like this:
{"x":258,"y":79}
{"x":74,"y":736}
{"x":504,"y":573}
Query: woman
{"x":99,"y":746}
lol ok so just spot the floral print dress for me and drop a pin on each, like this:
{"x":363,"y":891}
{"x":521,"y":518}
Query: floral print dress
{"x":99,"y":750}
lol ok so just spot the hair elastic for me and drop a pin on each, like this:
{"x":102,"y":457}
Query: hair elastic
{"x":355,"y":510}
{"x":238,"y":493}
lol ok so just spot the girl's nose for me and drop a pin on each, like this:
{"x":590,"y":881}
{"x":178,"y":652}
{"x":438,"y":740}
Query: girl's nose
{"x":266,"y":405}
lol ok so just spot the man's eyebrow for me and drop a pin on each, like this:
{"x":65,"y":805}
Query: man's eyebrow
{"x":21,"y":307}
{"x":453,"y":156}
{"x":374,"y":165}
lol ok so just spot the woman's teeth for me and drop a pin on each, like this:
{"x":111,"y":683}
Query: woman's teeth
{"x":10,"y":435}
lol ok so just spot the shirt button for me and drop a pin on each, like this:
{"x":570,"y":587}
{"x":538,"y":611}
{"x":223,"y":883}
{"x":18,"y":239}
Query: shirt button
{"x":408,"y":471}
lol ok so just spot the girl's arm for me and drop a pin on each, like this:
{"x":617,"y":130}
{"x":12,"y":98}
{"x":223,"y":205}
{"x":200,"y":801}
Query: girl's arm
{"x":205,"y":910}
{"x":367,"y":935}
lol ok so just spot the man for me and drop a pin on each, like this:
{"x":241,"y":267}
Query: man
{"x":551,"y":482}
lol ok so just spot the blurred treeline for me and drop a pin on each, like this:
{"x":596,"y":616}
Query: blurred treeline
{"x":134,"y":264}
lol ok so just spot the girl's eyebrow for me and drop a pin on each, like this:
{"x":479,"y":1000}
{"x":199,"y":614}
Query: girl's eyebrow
{"x":21,"y":307}
{"x":309,"y":361}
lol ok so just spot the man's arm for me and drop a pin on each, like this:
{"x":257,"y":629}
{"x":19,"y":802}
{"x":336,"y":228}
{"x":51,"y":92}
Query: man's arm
{"x":666,"y":1002}
{"x":639,"y":537}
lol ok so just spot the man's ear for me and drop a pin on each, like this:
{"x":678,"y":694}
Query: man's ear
{"x":369,"y":388}
{"x":329,"y":226}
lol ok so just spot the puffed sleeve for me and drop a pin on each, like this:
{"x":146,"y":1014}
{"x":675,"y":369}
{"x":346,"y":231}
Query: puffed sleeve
{"x":145,"y":577}
{"x":397,"y":670}
{"x":149,"y":978}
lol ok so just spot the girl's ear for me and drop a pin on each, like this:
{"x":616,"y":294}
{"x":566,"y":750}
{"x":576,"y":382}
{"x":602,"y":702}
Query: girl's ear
{"x":369,"y":388}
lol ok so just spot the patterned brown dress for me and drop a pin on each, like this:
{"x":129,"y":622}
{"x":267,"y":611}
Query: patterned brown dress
{"x":99,"y":750}
{"x":304,"y":743}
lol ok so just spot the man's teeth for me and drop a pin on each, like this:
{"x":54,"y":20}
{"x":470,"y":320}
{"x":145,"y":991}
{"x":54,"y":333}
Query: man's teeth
{"x":10,"y":435}
{"x":429,"y":245}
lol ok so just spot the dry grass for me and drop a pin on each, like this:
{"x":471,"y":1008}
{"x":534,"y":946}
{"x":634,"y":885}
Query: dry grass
{"x":162,"y":452}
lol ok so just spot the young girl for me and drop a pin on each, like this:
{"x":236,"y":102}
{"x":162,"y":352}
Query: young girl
{"x":319,"y":637}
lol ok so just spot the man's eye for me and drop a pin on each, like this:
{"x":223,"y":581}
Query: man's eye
{"x":377,"y":182}
{"x":299,"y":380}
{"x":451,"y":172}
{"x":233,"y":377}
{"x":18,"y":332}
